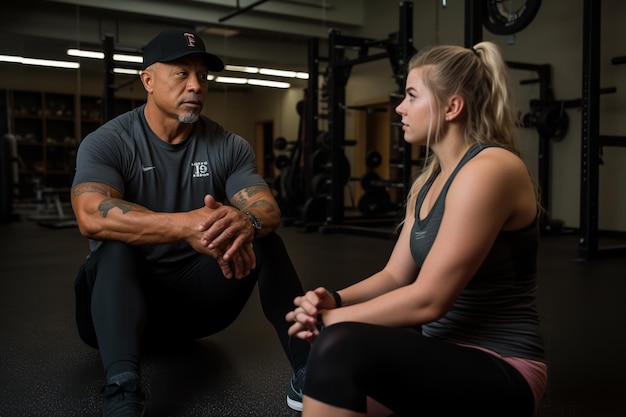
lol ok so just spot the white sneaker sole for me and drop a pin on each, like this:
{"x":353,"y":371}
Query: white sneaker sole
{"x":294,"y":405}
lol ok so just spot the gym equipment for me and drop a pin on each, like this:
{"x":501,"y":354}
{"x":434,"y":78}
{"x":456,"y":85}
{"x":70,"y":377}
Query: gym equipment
{"x":281,"y":143}
{"x":290,"y":186}
{"x":320,"y":161}
{"x":499,"y":20}
{"x":9,"y":177}
{"x":398,"y":49}
{"x":375,"y":201}
{"x":592,"y":142}
{"x":313,"y":211}
{"x":551,"y":124}
{"x":367,"y":181}
{"x":550,"y":118}
{"x":282,"y":161}
{"x":320,"y":184}
{"x":373,"y":159}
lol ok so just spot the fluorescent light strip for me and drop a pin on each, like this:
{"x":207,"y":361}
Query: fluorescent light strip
{"x":125,"y":71}
{"x":85,"y":54}
{"x":277,"y":73}
{"x":39,"y":62}
{"x":235,"y":68}
{"x":231,"y":80}
{"x":267,"y":83}
{"x":13,"y":59}
{"x":100,"y":55}
{"x":268,"y":71}
{"x":240,"y":68}
{"x":127,"y":58}
{"x":252,"y":81}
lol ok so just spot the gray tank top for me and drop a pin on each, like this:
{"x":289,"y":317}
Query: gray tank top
{"x":497,"y":310}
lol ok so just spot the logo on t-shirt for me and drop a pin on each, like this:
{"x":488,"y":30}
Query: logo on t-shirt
{"x":200,"y":169}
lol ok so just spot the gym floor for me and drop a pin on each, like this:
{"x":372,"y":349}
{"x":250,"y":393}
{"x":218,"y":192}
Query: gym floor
{"x":46,"y":370}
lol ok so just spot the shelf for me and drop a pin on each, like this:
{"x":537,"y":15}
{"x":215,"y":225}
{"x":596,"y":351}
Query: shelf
{"x":48,"y":128}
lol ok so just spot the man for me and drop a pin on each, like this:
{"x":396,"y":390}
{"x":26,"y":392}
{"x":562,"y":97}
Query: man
{"x":181,"y":226}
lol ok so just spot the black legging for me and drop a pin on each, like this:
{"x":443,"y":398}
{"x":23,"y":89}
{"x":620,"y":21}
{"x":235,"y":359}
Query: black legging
{"x":133,"y":300}
{"x":412,"y":374}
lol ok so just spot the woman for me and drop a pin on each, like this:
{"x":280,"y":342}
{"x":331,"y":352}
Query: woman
{"x":449,"y":327}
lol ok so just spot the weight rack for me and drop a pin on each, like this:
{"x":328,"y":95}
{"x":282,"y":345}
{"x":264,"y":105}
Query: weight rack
{"x":398,"y":48}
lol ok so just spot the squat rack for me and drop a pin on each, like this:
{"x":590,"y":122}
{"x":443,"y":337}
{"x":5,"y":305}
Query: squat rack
{"x":592,"y":141}
{"x":398,"y":48}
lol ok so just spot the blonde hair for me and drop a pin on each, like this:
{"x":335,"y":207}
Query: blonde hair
{"x":479,"y":75}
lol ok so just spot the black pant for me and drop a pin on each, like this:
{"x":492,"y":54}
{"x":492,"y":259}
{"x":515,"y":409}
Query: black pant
{"x":412,"y":374}
{"x":122,"y":300}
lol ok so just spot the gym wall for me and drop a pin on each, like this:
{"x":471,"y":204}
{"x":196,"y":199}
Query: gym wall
{"x":554,"y":37}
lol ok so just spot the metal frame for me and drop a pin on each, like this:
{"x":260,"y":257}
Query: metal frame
{"x":544,"y":73}
{"x":398,"y":48}
{"x":592,"y":142}
{"x":109,"y":79}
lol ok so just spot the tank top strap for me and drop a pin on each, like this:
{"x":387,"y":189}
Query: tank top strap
{"x":473,"y":150}
{"x":469,"y":154}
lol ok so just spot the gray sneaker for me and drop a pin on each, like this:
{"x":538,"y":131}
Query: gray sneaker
{"x":294,"y":392}
{"x":123,"y":400}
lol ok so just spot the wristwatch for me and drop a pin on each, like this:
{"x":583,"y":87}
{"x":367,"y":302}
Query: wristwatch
{"x":256,"y":224}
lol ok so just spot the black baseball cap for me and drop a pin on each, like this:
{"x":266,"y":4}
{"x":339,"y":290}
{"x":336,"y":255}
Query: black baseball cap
{"x":172,"y":44}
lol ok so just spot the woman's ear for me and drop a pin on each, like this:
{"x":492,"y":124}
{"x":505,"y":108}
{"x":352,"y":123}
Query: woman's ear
{"x":454,"y":108}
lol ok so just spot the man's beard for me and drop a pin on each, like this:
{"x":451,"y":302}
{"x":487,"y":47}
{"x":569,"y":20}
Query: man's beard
{"x":190,"y":117}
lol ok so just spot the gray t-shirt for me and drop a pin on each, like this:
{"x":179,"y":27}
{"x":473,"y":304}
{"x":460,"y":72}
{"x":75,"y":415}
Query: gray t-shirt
{"x":126,"y":154}
{"x":497,"y":309}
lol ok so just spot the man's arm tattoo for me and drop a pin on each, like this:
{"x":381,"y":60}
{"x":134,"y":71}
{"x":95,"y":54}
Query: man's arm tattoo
{"x":108,"y":203}
{"x":240,"y":200}
{"x":90,"y":187}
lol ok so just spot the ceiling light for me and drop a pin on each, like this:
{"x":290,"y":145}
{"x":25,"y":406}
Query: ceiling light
{"x":277,"y":73}
{"x":39,"y":62}
{"x":128,"y":71}
{"x":100,"y":55}
{"x":125,"y":71}
{"x":128,"y":58}
{"x":267,"y":83}
{"x":241,"y":68}
{"x":231,"y":80}
{"x":85,"y":54}
{"x":235,"y":68}
{"x":13,"y":59}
